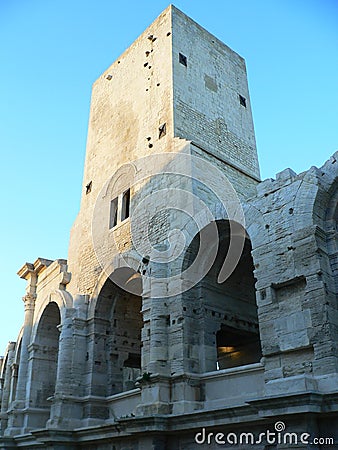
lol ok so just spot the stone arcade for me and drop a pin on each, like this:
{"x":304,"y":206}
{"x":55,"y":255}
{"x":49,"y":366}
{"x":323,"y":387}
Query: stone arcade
{"x":131,"y":356}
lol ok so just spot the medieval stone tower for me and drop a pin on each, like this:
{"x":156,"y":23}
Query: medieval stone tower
{"x":197,"y":303}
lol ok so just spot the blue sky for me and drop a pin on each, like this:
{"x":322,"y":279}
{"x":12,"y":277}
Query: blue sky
{"x":52,"y":51}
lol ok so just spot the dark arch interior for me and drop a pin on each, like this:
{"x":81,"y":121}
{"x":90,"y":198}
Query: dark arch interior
{"x":118,"y":325}
{"x":45,"y":364}
{"x":16,"y":369}
{"x":225,"y":319}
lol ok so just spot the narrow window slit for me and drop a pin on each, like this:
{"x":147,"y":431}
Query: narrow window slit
{"x":113,"y":213}
{"x":125,"y":205}
{"x":242,"y":100}
{"x":89,"y":187}
{"x":182,"y":59}
{"x":162,"y":130}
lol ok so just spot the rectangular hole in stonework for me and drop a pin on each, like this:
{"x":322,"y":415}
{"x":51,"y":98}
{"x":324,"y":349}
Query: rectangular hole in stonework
{"x":113,"y":213}
{"x":182,"y":59}
{"x":125,"y":204}
{"x":89,"y":187}
{"x":162,"y":131}
{"x":242,"y":100}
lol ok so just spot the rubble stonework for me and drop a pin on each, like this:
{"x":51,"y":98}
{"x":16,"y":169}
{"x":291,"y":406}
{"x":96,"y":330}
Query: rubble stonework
{"x":122,"y":350}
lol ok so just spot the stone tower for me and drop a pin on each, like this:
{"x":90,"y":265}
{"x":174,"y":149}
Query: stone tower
{"x":153,"y":85}
{"x":196,"y":300}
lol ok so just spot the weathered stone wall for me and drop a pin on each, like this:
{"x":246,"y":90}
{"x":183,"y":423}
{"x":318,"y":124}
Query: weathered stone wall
{"x":296,"y":293}
{"x":207,"y":108}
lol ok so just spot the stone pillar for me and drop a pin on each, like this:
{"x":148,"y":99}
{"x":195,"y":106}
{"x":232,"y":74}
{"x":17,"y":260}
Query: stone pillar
{"x":29,"y":301}
{"x":65,"y":411}
{"x":156,"y":316}
{"x":64,"y":381}
{"x":155,"y":381}
{"x":14,"y":380}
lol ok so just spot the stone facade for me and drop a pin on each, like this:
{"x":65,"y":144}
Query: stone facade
{"x":132,"y":344}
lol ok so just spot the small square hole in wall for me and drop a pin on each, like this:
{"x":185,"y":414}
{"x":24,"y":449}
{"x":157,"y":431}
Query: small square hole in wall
{"x":162,"y":130}
{"x":88,"y":187}
{"x":242,"y":100}
{"x":183,"y":59}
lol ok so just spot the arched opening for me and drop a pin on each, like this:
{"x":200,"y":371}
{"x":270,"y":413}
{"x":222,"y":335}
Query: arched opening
{"x":4,"y":385}
{"x":225,"y":321}
{"x":4,"y":394}
{"x":331,"y":227}
{"x":117,"y":334}
{"x":6,"y":378}
{"x":45,"y":358}
{"x":15,"y":370}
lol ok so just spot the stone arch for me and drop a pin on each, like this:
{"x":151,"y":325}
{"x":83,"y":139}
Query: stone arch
{"x":15,"y":365}
{"x":18,"y":346}
{"x":221,"y":319}
{"x":62,"y":299}
{"x":10,"y":348}
{"x":317,"y":188}
{"x":331,"y":230}
{"x":6,"y":383}
{"x":331,"y":218}
{"x":114,"y":329}
{"x":44,"y":351}
{"x":4,"y":392}
{"x":118,"y":272}
{"x":325,"y":216}
{"x":121,"y":180}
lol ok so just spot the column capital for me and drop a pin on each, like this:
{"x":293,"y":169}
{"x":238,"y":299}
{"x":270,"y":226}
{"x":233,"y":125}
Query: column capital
{"x":29,"y":298}
{"x":30,"y":272}
{"x":29,"y":301}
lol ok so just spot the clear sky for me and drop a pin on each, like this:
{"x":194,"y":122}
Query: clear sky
{"x":52,"y":51}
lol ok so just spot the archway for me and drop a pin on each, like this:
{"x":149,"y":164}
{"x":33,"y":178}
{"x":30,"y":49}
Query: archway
{"x":331,"y":228}
{"x":45,"y":358}
{"x":223,"y":316}
{"x":116,"y":342}
{"x":15,"y":368}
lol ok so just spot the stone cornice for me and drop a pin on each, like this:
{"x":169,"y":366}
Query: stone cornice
{"x":25,"y":270}
{"x":40,"y":264}
{"x":29,"y":268}
{"x":301,"y":402}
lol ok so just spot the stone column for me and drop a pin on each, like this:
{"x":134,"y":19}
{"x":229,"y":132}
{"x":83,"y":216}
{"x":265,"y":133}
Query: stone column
{"x":14,"y":380}
{"x":155,"y":310}
{"x":66,"y":412}
{"x":155,"y":382}
{"x":29,"y":301}
{"x":64,"y":381}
